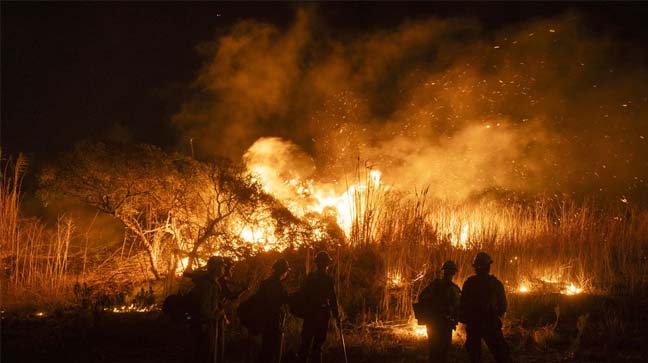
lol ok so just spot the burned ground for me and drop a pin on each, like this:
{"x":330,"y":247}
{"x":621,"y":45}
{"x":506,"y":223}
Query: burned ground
{"x":607,"y":332}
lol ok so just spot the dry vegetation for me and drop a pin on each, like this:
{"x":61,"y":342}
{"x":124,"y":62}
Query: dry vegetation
{"x":35,"y":258}
{"x":397,"y":242}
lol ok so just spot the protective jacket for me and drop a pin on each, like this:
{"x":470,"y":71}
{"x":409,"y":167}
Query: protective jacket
{"x":483,"y":303}
{"x":319,"y":294}
{"x":320,"y":301}
{"x":206,"y":296}
{"x":271,"y":296}
{"x":441,"y":301}
{"x":483,"y":300}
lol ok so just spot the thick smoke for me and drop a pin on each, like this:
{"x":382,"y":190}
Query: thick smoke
{"x":542,"y":107}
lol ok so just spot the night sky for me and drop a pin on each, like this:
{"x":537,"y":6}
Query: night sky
{"x":72,"y":71}
{"x":134,"y":72}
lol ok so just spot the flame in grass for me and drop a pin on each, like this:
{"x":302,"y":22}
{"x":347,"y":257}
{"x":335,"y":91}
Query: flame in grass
{"x":419,"y":332}
{"x":395,"y":279}
{"x":132,"y":308}
{"x":548,"y":286}
{"x":461,"y":241}
{"x":572,"y":290}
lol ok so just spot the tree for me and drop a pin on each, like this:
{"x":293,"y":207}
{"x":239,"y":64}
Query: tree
{"x":139,"y":185}
{"x":166,"y":201}
{"x":219,"y":192}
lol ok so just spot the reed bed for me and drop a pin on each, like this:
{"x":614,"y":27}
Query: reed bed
{"x":545,"y":245}
{"x":397,"y":242}
{"x":35,"y":258}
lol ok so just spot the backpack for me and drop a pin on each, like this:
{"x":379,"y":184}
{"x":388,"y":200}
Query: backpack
{"x":421,"y":313}
{"x":431,"y":302}
{"x":180,"y":307}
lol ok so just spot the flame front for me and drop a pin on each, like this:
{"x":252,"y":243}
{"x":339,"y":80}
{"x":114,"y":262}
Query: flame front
{"x":286,"y":174}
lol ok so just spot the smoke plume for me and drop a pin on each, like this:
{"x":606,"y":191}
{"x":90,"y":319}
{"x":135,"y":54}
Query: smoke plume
{"x":543,"y":107}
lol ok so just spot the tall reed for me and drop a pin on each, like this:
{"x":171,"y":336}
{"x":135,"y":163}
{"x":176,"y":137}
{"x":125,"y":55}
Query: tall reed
{"x":35,"y":259}
{"x":547,"y":243}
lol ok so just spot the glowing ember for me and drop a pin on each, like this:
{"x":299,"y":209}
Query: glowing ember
{"x":572,"y":290}
{"x":410,"y":329}
{"x":395,"y":279}
{"x":523,"y":288}
{"x":132,"y":308}
{"x":420,"y":331}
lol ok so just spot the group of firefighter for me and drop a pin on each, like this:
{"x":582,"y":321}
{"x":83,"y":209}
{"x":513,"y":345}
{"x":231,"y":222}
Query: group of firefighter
{"x":441,"y":305}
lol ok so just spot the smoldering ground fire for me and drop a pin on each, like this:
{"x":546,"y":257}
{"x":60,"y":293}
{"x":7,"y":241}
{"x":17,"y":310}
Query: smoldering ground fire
{"x":394,"y":149}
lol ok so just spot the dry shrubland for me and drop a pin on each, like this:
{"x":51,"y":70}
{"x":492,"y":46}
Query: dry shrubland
{"x":397,"y":242}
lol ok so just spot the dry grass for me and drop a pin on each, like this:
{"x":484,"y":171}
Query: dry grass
{"x":546,"y":244}
{"x":397,"y":243}
{"x":35,"y":259}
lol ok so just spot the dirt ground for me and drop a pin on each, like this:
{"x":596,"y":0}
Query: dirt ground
{"x":149,"y":337}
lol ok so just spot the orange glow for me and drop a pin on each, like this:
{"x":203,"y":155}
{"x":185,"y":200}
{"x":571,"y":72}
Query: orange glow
{"x":300,"y":193}
{"x":572,"y":290}
{"x":420,"y":331}
{"x":130,"y":309}
{"x":395,"y":279}
{"x":461,"y":240}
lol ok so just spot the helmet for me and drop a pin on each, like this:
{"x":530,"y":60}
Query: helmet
{"x":482,"y":259}
{"x":214,"y":262}
{"x":323,"y":258}
{"x":449,"y":265}
{"x":281,"y":265}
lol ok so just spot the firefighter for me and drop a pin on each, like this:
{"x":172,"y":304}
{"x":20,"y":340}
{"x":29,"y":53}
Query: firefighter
{"x":482,"y":305}
{"x":206,"y":297}
{"x":273,"y":295}
{"x":320,"y":302}
{"x":229,"y":298}
{"x":440,"y":300}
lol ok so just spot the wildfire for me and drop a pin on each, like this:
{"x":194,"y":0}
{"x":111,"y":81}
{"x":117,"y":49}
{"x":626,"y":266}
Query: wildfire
{"x":544,"y":285}
{"x":420,"y":331}
{"x":463,"y":237}
{"x":293,"y":185}
{"x":132,"y":308}
{"x":182,"y":265}
{"x":572,"y":290}
{"x":413,"y":329}
{"x":395,"y":279}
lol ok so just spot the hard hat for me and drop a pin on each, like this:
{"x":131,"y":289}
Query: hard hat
{"x":281,"y":265}
{"x":449,"y":265}
{"x":323,"y":258}
{"x":482,"y":259}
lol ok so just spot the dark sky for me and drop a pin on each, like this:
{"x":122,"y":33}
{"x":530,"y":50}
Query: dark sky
{"x":72,"y":71}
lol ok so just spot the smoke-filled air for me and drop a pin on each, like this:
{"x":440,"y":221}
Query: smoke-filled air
{"x":543,"y":107}
{"x":443,"y":176}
